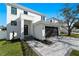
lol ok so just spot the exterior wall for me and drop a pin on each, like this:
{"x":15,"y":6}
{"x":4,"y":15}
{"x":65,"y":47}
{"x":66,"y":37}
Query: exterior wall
{"x":20,"y":17}
{"x":16,"y":29}
{"x":22,"y":29}
{"x":36,"y":17}
{"x":39,"y":31}
{"x":11,"y":17}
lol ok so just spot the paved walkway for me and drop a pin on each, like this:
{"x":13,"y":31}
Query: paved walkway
{"x":58,"y":48}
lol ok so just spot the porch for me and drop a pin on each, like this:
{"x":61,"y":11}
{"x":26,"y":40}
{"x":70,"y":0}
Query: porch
{"x":26,"y":26}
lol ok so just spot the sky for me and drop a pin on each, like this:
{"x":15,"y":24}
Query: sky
{"x":49,"y":9}
{"x":2,"y":14}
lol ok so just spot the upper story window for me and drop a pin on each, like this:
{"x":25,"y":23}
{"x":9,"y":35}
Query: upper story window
{"x":25,"y":12}
{"x":14,"y":23}
{"x":42,"y":17}
{"x":13,"y":10}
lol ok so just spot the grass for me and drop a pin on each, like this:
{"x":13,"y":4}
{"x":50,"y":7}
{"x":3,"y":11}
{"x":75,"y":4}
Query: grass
{"x":27,"y":50}
{"x":15,"y":48}
{"x":72,"y":35}
{"x":74,"y":53}
{"x":8,"y":48}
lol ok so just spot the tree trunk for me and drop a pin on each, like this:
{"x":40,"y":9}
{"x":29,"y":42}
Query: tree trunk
{"x":69,"y":32}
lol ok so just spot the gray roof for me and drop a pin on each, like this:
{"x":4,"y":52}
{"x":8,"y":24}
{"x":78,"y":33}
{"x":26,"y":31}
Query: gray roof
{"x":24,"y":8}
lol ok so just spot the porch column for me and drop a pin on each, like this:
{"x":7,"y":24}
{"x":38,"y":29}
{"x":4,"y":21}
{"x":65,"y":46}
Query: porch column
{"x":22,"y":29}
{"x":43,"y":32}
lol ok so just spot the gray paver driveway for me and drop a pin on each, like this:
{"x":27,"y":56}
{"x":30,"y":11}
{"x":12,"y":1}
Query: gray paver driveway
{"x":58,"y":48}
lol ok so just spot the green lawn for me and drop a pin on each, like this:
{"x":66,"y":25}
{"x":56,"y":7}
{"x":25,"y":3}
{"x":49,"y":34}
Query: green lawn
{"x":15,"y":48}
{"x":74,"y":53}
{"x":27,"y":50}
{"x":8,"y":48}
{"x":73,"y":35}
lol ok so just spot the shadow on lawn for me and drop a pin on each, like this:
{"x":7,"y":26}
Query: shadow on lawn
{"x":27,"y":50}
{"x":23,"y":48}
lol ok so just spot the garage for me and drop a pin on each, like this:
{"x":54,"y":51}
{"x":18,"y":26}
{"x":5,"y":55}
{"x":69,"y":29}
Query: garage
{"x":51,"y":31}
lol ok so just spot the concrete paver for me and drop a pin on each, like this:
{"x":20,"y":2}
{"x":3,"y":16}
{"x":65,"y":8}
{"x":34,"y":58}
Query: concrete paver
{"x":59,"y":48}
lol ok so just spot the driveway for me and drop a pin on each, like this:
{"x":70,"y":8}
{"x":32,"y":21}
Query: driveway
{"x":73,"y":42}
{"x":60,"y":47}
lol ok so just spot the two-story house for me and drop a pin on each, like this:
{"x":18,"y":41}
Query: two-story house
{"x":23,"y":21}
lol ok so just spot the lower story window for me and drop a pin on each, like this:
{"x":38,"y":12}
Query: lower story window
{"x":14,"y":23}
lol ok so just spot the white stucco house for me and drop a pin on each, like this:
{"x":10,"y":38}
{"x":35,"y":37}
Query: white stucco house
{"x":27,"y":22}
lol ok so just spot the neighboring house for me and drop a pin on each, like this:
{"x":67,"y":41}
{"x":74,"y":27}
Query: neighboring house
{"x":3,"y":28}
{"x":75,"y":31}
{"x":0,"y":29}
{"x":27,"y":22}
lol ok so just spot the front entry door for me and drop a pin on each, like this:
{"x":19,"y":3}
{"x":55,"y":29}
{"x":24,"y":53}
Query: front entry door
{"x":25,"y":29}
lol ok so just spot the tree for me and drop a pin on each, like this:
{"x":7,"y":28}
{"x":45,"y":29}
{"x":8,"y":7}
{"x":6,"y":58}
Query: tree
{"x":70,"y":16}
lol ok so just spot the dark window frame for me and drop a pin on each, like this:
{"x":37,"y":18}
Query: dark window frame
{"x":14,"y":10}
{"x":14,"y":23}
{"x":25,"y":12}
